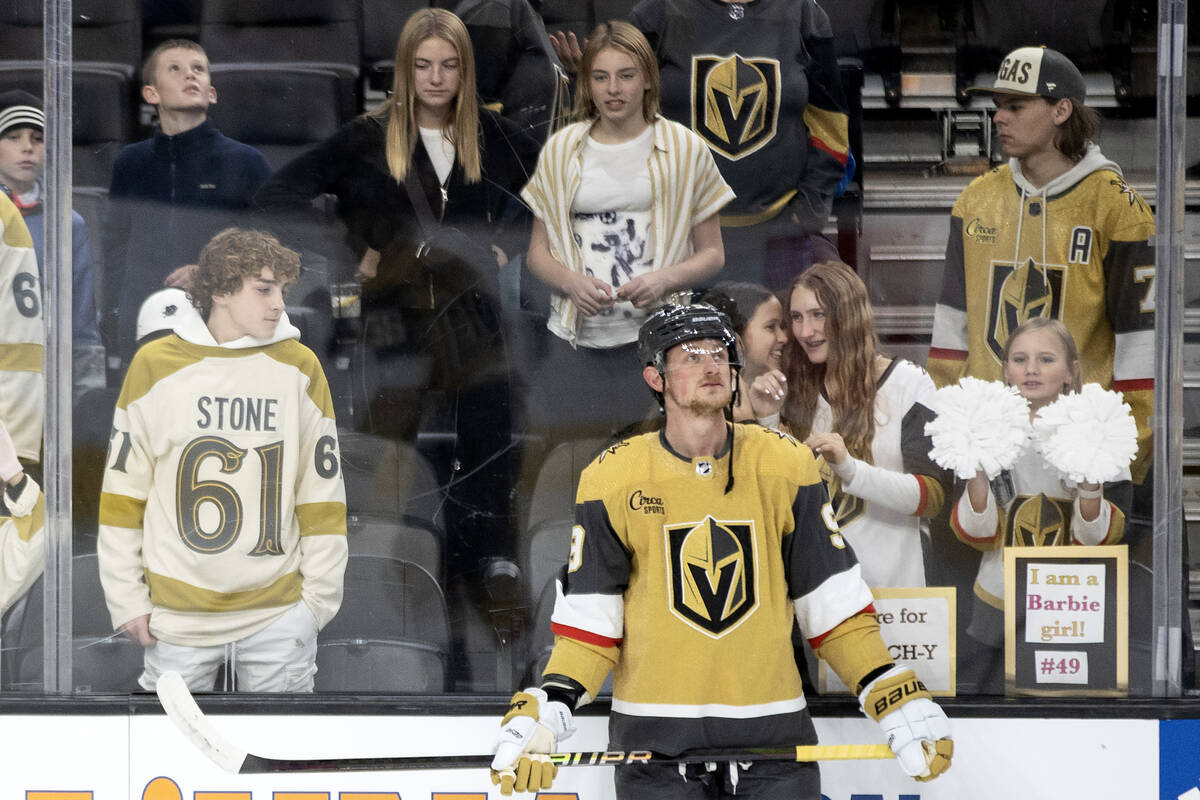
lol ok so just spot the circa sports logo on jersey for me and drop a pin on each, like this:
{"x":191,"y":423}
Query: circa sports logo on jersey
{"x":712,"y":574}
{"x":735,"y":102}
{"x":977,"y":230}
{"x":1038,"y":521}
{"x":640,"y":501}
{"x":1019,"y":294}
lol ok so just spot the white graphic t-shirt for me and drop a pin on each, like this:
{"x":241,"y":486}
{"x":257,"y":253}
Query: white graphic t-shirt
{"x":611,"y":221}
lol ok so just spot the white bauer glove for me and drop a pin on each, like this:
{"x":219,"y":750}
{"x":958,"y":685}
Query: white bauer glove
{"x":916,"y":727}
{"x":9,"y":465}
{"x":532,"y":728}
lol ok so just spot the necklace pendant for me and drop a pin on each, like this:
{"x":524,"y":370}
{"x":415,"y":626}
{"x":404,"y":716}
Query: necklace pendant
{"x":736,"y":11}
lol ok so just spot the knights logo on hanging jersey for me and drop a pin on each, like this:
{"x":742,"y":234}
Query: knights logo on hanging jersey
{"x":846,"y":507}
{"x":713,"y":577}
{"x":1019,"y":294}
{"x":735,"y":103}
{"x":1038,"y":521}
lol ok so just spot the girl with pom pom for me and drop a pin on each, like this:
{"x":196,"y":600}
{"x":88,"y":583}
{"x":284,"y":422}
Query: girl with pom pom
{"x":1032,"y":504}
{"x":864,"y":413}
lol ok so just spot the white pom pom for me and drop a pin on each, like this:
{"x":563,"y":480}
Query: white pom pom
{"x":1088,"y":436}
{"x":980,"y":425}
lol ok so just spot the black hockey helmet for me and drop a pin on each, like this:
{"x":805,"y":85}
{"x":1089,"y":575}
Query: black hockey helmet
{"x":674,"y":324}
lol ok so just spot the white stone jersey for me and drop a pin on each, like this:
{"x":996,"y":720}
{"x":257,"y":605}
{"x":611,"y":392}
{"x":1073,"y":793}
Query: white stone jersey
{"x":882,"y":507}
{"x":223,"y":501}
{"x":22,"y":338}
{"x":691,"y":592}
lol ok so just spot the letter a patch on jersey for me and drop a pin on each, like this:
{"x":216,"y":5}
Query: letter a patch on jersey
{"x":713,"y":577}
{"x":735,"y":103}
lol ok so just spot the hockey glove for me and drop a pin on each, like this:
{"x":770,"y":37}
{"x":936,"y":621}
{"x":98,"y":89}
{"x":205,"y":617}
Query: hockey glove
{"x":916,"y":727}
{"x":532,"y":728}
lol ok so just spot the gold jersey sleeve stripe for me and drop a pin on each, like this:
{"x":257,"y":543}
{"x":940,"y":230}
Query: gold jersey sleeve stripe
{"x":321,"y":518}
{"x":121,"y":511}
{"x":22,"y":357}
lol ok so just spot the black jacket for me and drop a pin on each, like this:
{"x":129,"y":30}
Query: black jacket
{"x":376,"y":210}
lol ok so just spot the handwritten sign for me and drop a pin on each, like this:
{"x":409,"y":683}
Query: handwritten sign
{"x":918,"y":626}
{"x":1066,"y":620}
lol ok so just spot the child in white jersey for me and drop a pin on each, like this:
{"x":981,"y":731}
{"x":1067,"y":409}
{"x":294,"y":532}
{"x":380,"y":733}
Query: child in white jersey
{"x":1036,"y":506}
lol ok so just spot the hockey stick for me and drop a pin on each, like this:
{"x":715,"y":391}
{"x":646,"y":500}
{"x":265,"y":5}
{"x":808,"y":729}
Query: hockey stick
{"x":181,"y":707}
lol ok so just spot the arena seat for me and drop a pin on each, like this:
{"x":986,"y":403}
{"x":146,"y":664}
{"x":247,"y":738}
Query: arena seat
{"x":169,"y":19}
{"x":389,"y":478}
{"x":392,"y":633}
{"x":282,"y":109}
{"x":104,"y":662}
{"x":574,"y":16}
{"x":322,"y":34}
{"x":547,"y":532}
{"x":381,"y":23}
{"x":515,"y":63}
{"x":107,"y":32}
{"x":408,"y":540}
{"x":101,"y":99}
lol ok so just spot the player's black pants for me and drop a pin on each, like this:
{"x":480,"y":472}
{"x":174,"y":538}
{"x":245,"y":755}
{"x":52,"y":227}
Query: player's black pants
{"x":764,"y":780}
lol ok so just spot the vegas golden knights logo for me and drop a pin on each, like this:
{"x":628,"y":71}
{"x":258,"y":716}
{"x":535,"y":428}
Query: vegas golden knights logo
{"x":1038,"y":521}
{"x":1021,"y":294}
{"x":713,"y":580}
{"x":846,"y":507}
{"x":735,"y":103}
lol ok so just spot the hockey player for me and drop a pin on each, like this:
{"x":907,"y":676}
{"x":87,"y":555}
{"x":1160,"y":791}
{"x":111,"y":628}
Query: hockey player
{"x":1056,"y":232}
{"x":223,"y":517}
{"x":22,"y":339}
{"x":694,"y":547}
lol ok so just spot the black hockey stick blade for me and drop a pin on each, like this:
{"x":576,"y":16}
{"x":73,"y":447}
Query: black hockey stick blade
{"x":181,"y":708}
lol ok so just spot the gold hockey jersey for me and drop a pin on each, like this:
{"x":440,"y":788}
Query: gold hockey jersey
{"x":691,"y":592}
{"x":1079,"y":250}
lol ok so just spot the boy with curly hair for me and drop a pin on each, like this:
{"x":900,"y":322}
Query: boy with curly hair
{"x":223,"y":516}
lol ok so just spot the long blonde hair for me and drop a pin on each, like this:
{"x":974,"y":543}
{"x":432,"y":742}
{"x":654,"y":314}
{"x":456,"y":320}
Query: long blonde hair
{"x":399,"y":110}
{"x":848,"y":374}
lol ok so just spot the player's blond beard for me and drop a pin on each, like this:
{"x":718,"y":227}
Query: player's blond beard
{"x":701,"y":406}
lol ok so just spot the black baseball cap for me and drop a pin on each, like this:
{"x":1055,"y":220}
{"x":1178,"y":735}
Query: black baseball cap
{"x":1036,"y":72}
